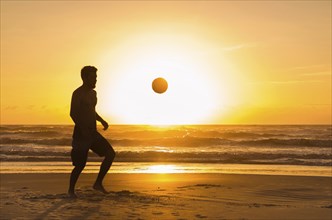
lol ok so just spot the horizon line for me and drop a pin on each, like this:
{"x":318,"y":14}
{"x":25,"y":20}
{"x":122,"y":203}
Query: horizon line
{"x":166,"y":125}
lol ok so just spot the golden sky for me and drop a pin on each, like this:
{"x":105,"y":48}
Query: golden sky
{"x":226,"y":62}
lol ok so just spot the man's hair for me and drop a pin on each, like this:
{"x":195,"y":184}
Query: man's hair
{"x":87,"y":70}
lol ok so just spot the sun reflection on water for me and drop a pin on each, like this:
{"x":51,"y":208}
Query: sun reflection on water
{"x":163,"y":169}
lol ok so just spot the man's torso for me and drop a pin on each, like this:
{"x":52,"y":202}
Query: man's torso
{"x":85,"y":110}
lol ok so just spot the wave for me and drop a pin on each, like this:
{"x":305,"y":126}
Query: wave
{"x":34,"y":127}
{"x":146,"y":132}
{"x":198,"y":157}
{"x":224,"y":131}
{"x":290,"y":142}
{"x":190,"y":141}
{"x":236,"y":134}
{"x":187,"y":141}
{"x":32,"y":133}
{"x":46,"y":141}
{"x":154,"y":134}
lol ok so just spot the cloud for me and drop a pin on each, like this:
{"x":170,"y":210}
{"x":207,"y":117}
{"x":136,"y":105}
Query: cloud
{"x":295,"y":81}
{"x":239,"y":46}
{"x":30,"y":107}
{"x":307,"y":67}
{"x":288,"y":82}
{"x":310,"y":70}
{"x":322,"y":105}
{"x":11,"y":107}
{"x":323,"y":73}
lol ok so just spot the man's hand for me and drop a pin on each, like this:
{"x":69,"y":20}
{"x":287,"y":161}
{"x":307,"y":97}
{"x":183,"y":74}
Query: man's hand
{"x":105,"y":125}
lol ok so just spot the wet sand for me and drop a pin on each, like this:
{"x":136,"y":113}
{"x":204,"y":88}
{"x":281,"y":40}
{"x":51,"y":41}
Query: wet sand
{"x":167,"y":196}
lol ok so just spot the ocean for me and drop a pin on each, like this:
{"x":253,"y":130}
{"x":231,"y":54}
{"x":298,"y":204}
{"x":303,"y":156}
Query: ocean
{"x":250,"y":149}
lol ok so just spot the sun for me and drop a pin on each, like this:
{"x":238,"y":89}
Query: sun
{"x":192,"y":95}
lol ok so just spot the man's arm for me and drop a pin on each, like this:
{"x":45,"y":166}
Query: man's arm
{"x":102,"y":121}
{"x":76,"y":115}
{"x":74,"y":108}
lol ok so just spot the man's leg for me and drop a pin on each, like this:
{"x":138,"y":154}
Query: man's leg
{"x":105,"y":166}
{"x":102,"y":148}
{"x":79,"y":158}
{"x":73,"y":179}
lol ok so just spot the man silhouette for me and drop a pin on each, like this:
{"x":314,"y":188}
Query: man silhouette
{"x":85,"y":135}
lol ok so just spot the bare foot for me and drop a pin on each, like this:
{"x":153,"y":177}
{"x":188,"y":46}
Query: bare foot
{"x":100,"y":188}
{"x":72,"y":195}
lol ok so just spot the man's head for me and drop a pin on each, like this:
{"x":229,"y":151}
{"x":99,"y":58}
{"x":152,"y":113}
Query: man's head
{"x":89,"y":76}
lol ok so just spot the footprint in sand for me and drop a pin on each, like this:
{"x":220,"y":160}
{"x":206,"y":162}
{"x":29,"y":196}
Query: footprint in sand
{"x":204,"y":186}
{"x":200,"y":216}
{"x":157,"y":213}
{"x":144,"y":206}
{"x":175,"y":214}
{"x":132,"y":215}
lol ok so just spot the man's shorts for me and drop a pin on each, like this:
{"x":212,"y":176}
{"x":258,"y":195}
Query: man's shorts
{"x":99,"y":145}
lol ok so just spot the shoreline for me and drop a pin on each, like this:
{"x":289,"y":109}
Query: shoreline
{"x":168,"y":167}
{"x":168,"y":196}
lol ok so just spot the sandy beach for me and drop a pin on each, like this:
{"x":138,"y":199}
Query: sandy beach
{"x":167,"y":196}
